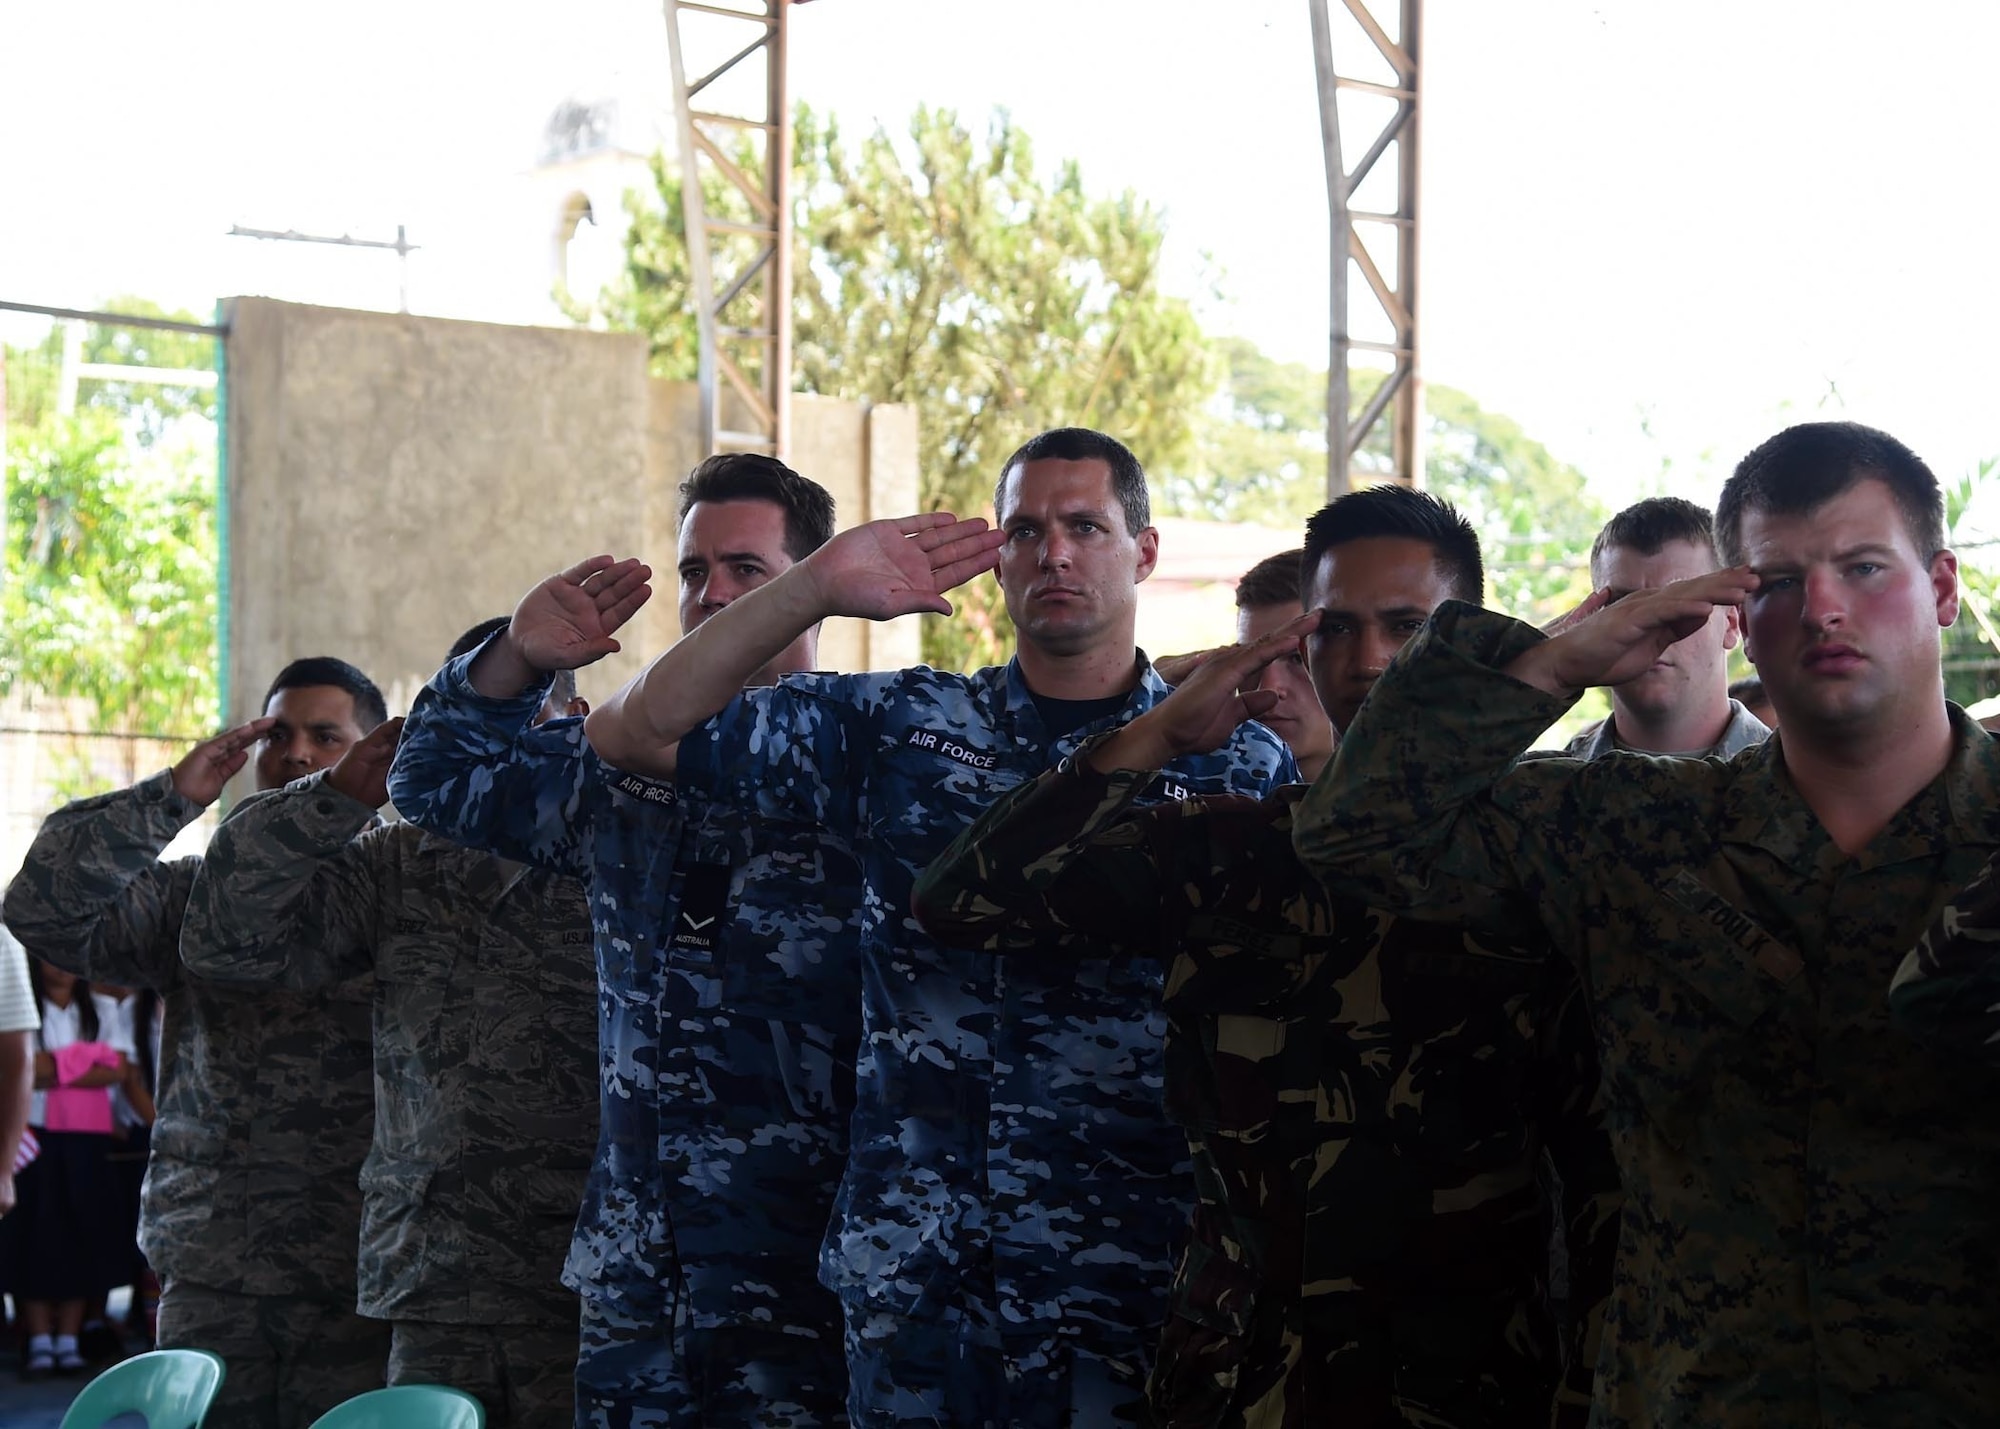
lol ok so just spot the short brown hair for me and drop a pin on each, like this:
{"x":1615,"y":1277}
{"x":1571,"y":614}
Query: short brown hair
{"x":1272,"y":581}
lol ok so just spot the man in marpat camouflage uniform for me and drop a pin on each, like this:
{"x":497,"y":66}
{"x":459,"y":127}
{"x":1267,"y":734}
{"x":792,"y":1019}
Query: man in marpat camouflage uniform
{"x":1947,"y":992}
{"x":729,"y":987}
{"x":1812,"y":1218}
{"x":1369,"y":1101}
{"x":485,"y":1024}
{"x":1004,"y":1236}
{"x":252,"y":1209}
{"x":1682,"y":705}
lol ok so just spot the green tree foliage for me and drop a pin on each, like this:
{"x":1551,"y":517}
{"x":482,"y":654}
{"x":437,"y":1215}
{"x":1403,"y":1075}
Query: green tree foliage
{"x":110,"y":554}
{"x":1260,"y":455}
{"x":110,"y":593}
{"x":1972,"y":644}
{"x":948,"y":273}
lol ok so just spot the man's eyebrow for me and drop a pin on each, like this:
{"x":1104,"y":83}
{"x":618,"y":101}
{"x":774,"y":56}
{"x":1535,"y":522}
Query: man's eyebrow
{"x":1866,"y":548}
{"x":729,"y":558}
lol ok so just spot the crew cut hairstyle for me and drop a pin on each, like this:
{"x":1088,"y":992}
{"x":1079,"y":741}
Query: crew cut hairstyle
{"x":1128,"y":478}
{"x":1272,"y":581}
{"x":1650,"y":525}
{"x":1804,"y":467}
{"x":752,"y":476}
{"x":565,"y":680}
{"x":369,"y":707}
{"x":1391,"y":510}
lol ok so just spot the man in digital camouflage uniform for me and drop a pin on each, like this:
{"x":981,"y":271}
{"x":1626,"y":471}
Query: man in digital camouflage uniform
{"x":1371,"y":1103}
{"x":1004,"y":1237}
{"x":252,"y":1207}
{"x":485,"y":1004}
{"x":729,"y":996}
{"x":1947,"y":991}
{"x":1810,"y":1230}
{"x":1682,"y":705}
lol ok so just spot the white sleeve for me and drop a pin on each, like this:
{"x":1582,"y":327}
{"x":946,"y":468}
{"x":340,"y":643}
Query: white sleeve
{"x":17,"y":1005}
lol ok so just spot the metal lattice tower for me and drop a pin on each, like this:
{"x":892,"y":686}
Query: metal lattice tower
{"x":1390,"y":301}
{"x":745,"y":315}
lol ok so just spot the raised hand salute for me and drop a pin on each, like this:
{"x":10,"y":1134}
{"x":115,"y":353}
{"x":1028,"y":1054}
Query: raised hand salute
{"x":1607,"y":644}
{"x":203,"y":770}
{"x":362,"y":773}
{"x":564,"y":623}
{"x":1206,"y":708}
{"x":877,"y":571}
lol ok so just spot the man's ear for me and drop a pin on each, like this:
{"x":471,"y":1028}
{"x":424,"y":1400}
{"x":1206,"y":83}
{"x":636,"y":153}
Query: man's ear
{"x":1732,"y":626}
{"x":1944,"y":585}
{"x":1149,"y":553}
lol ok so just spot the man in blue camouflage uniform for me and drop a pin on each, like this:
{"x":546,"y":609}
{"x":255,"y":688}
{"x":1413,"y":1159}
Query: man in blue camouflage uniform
{"x":252,"y":1208}
{"x":1372,"y":1103}
{"x":729,"y":996}
{"x":1015,"y":1192}
{"x":485,"y":1060}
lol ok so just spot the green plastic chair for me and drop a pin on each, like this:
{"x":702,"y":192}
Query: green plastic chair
{"x":406,"y":1406}
{"x":172,"y":1388}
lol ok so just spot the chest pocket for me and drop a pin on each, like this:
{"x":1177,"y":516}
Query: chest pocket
{"x":1469,"y":1018}
{"x":1687,"y":991}
{"x":414,"y":970}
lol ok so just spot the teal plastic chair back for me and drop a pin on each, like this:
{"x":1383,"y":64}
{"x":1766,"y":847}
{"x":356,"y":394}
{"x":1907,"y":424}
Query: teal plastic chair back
{"x":172,"y":1388}
{"x":407,"y":1406}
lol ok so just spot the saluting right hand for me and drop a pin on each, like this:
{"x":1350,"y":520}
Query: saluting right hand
{"x":203,"y":770}
{"x":362,"y":773}
{"x":1201,"y":714}
{"x":567,"y":621}
{"x":1608,"y":644}
{"x":884,"y":569}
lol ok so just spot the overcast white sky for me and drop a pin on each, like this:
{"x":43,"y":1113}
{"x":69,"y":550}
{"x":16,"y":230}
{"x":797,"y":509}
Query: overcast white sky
{"x":1705,"y":218}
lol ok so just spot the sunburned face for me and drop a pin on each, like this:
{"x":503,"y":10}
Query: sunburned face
{"x":1843,"y":625}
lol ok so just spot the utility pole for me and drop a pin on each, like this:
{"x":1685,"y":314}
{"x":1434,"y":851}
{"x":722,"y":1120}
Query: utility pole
{"x":745,"y":317}
{"x":402,"y":248}
{"x":1394,"y":225}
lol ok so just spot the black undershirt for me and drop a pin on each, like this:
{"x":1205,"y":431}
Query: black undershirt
{"x":1061,"y":717}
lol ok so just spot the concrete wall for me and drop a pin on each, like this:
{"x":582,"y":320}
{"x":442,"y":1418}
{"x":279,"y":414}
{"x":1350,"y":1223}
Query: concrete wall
{"x":392,"y":480}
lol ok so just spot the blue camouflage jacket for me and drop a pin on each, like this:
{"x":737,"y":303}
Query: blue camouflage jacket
{"x":728,"y":1006}
{"x":1009,"y":1143}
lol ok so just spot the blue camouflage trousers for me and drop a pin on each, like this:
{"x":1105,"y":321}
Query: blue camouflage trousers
{"x":640,"y":1372}
{"x":962,"y":1370}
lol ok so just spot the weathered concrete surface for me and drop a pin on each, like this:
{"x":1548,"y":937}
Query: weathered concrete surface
{"x":392,"y":480}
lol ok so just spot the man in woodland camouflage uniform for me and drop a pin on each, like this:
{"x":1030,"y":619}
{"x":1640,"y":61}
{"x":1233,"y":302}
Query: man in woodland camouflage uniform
{"x":1371,"y":1102}
{"x":252,"y":1206}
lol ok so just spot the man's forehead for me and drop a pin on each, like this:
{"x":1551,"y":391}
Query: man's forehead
{"x":1255,"y":621}
{"x":312,"y":704}
{"x":1866,"y":514}
{"x":710,"y":521}
{"x":1628,"y":568}
{"x":1377,"y":572}
{"x":1058,"y":486}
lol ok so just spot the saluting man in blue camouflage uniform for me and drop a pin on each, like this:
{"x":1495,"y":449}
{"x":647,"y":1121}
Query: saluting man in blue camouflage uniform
{"x":485,"y":1042}
{"x":1005,"y":1234}
{"x":1372,"y":1103}
{"x":729,"y":998}
{"x":252,"y":1210}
